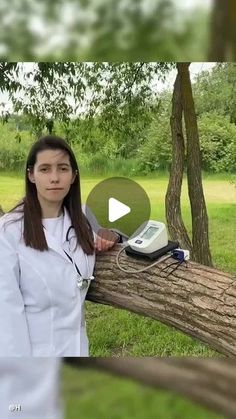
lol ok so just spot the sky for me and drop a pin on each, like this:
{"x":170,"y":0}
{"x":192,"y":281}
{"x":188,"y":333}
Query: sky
{"x":194,"y":69}
{"x":189,"y":4}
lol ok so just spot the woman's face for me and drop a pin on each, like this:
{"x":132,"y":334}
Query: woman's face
{"x":52,"y":175}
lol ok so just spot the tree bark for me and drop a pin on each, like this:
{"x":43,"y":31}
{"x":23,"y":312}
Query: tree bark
{"x":196,"y":299}
{"x":232,"y":25}
{"x":219,"y":31}
{"x":174,"y":219}
{"x":200,"y":236}
{"x":210,"y":382}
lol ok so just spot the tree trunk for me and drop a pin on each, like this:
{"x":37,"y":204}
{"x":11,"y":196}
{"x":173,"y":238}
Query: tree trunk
{"x":232,"y":25}
{"x":223,"y":31}
{"x":175,"y":223}
{"x":210,"y":382}
{"x":196,"y":299}
{"x":200,"y":237}
{"x":219,"y":31}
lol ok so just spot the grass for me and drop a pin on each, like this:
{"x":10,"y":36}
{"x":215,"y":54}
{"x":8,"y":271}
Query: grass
{"x":96,"y":395}
{"x":115,"y":332}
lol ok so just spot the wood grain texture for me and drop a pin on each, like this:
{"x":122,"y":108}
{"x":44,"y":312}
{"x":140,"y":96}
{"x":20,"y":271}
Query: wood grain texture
{"x":196,"y":299}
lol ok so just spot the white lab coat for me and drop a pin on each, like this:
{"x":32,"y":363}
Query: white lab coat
{"x":30,"y":388}
{"x":41,"y":306}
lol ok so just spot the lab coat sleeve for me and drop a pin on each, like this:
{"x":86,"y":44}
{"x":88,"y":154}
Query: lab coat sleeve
{"x":96,"y":226}
{"x":91,"y":218}
{"x":123,"y":236}
{"x":30,"y":388}
{"x":14,"y":336}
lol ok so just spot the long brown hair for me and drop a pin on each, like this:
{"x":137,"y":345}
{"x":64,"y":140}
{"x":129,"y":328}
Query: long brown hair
{"x":30,"y":207}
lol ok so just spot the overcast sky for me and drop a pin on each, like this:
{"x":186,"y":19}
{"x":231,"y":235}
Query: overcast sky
{"x":194,"y":69}
{"x":193,"y":3}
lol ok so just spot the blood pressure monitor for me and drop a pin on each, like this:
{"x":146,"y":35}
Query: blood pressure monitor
{"x":149,"y":239}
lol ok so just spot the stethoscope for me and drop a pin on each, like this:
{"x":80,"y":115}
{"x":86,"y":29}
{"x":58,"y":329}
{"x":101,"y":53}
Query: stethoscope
{"x":82,"y":281}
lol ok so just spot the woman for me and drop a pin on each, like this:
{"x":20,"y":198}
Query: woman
{"x":47,"y":253}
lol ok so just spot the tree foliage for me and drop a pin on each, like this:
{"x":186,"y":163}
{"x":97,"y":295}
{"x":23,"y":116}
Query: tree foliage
{"x":113,"y":110}
{"x":87,"y":30}
{"x":114,"y":95}
{"x":215,"y":90}
{"x":216,"y":110}
{"x":218,"y":143}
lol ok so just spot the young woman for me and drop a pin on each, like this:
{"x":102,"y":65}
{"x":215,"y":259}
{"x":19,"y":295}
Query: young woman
{"x":47,"y":256}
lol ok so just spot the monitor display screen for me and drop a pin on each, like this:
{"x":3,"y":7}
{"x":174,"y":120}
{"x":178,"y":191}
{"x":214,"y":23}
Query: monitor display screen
{"x":149,"y":232}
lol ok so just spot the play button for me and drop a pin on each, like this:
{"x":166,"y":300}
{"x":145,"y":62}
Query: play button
{"x":117,"y":210}
{"x":118,"y":203}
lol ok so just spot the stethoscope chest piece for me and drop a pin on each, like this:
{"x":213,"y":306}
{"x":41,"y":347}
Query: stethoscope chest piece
{"x":83,"y":282}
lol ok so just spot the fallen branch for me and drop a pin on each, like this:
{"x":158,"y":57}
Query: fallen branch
{"x":196,"y":299}
{"x":210,"y":382}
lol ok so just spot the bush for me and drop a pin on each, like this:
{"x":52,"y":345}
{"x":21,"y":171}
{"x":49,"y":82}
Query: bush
{"x":99,"y":164}
{"x":14,"y":148}
{"x":155,"y":153}
{"x":218,"y":143}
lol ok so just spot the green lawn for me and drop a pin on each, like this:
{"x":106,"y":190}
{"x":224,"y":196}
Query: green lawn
{"x":89,"y":394}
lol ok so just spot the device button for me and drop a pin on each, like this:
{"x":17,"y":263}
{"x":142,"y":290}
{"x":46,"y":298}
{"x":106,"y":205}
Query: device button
{"x":138,"y":241}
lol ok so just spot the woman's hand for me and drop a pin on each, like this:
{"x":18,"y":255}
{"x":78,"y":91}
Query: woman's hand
{"x":105,"y":239}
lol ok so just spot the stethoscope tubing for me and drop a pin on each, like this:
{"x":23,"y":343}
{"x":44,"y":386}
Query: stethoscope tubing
{"x":82,"y":279}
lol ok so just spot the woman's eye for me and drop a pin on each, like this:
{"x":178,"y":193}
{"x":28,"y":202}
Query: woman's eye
{"x":61,"y":169}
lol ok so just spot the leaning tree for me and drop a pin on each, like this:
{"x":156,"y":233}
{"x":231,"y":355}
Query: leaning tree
{"x":183,"y":106}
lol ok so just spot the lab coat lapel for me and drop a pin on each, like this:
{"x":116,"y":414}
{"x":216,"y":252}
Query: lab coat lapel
{"x":79,"y":255}
{"x":69,"y":234}
{"x":52,"y":242}
{"x":57,"y":247}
